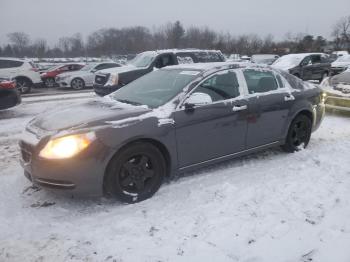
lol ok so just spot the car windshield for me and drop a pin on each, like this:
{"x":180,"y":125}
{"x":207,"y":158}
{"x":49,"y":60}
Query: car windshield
{"x":156,"y":88}
{"x":289,"y":61}
{"x":88,"y":67}
{"x":345,"y":58}
{"x":143,"y":59}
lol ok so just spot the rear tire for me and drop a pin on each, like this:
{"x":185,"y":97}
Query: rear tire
{"x":135,"y":173}
{"x":50,"y":82}
{"x":77,"y":84}
{"x":299,"y":134}
{"x":24,"y":85}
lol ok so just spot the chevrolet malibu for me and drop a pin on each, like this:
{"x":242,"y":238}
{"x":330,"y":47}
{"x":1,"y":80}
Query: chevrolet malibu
{"x":170,"y":121}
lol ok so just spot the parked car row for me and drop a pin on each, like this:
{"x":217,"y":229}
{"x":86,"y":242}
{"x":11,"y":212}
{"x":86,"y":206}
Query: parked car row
{"x":49,"y":76}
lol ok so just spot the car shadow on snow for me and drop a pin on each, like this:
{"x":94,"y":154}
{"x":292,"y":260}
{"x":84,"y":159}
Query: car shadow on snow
{"x":10,"y":114}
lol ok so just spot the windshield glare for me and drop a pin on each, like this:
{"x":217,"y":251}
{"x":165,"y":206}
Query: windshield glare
{"x":143,"y":59}
{"x":156,"y":88}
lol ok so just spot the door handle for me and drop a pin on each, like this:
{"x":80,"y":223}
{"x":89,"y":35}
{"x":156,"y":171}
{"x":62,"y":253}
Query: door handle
{"x":289,"y":97}
{"x":239,"y":108}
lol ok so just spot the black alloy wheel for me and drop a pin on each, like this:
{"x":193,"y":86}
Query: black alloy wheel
{"x":136,"y":173}
{"x":299,"y":134}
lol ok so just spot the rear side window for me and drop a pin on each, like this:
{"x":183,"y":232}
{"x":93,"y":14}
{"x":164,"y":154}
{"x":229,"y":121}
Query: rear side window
{"x":221,"y":86}
{"x":293,"y":81}
{"x":204,"y":57}
{"x":184,"y":59}
{"x":316,"y":59}
{"x":260,"y":81}
{"x":10,"y":63}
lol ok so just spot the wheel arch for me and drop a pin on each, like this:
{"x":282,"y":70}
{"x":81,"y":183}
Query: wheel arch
{"x":24,"y":77}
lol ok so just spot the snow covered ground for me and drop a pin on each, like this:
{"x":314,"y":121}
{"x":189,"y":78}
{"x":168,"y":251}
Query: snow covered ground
{"x":269,"y":206}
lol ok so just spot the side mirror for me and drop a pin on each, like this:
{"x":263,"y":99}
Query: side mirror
{"x":197,"y":99}
{"x":93,"y":70}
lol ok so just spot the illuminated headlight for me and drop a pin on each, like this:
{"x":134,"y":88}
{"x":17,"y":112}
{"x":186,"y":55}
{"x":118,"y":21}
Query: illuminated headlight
{"x":324,"y":97}
{"x":113,"y":80}
{"x":67,"y":146}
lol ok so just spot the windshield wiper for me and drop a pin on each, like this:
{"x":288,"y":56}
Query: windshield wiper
{"x":126,"y":101}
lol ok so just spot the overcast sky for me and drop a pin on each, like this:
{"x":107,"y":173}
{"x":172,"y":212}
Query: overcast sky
{"x":51,"y":19}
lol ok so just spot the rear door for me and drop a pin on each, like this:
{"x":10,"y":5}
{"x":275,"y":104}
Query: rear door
{"x":307,"y":68}
{"x":269,"y":104}
{"x":216,"y":129}
{"x":317,"y":67}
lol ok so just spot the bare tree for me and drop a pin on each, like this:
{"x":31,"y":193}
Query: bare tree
{"x":40,"y":48}
{"x":20,"y":41}
{"x":341,"y":33}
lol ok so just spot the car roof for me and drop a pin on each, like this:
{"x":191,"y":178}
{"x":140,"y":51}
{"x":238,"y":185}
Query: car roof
{"x":14,"y":59}
{"x":215,"y":66}
{"x":188,"y":50}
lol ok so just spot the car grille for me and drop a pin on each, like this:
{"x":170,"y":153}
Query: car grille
{"x":101,"y":80}
{"x":338,"y":101}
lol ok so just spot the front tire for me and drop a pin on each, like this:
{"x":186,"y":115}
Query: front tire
{"x":135,"y":173}
{"x":77,"y":84}
{"x":24,"y":85}
{"x":299,"y":134}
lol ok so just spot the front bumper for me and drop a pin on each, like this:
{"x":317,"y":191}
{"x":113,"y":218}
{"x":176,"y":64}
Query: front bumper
{"x":102,"y":90}
{"x":80,"y":175}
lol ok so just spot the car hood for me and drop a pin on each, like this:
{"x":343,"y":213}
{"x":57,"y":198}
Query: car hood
{"x":340,"y":64}
{"x":94,"y":113}
{"x":119,"y":70}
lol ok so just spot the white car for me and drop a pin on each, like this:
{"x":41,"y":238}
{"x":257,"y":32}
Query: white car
{"x":85,"y":77}
{"x":340,"y":65}
{"x":23,"y":71}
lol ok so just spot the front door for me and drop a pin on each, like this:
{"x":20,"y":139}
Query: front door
{"x":215,"y":129}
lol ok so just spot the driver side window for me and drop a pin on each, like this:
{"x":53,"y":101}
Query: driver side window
{"x":221,"y":86}
{"x":306,"y":61}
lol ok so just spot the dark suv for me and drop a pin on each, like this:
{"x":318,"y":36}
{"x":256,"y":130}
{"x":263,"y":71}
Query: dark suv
{"x":109,"y":80}
{"x":307,"y":66}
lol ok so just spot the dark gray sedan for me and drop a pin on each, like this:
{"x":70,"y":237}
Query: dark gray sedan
{"x":170,"y":121}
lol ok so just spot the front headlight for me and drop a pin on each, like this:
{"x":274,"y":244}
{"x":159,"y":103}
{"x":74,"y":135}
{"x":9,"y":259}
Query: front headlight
{"x":113,"y":80}
{"x":324,"y":97}
{"x":67,"y":146}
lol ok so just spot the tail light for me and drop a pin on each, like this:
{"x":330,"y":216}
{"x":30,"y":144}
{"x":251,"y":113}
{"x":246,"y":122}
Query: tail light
{"x":34,"y":69}
{"x":8,"y":84}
